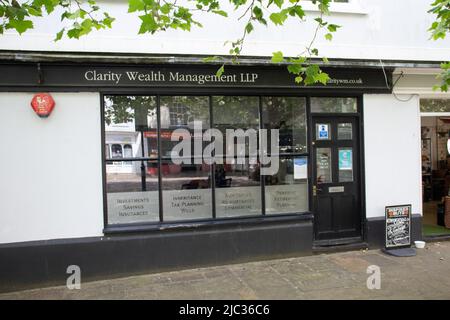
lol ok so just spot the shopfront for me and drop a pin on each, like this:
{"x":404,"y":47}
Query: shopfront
{"x":170,"y":195}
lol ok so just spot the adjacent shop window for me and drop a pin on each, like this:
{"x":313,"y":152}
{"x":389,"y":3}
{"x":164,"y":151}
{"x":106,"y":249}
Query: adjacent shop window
{"x":158,"y":168}
{"x":333,"y":105}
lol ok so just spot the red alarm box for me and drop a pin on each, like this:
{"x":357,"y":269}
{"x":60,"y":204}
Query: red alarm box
{"x":43,"y":104}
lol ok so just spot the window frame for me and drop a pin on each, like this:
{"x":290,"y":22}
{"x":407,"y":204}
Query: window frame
{"x":158,"y":225}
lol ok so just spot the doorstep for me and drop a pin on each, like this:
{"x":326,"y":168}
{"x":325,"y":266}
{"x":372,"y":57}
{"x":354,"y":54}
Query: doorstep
{"x":351,"y":244}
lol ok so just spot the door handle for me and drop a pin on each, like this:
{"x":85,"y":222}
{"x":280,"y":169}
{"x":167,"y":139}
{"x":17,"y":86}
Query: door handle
{"x":315,"y":189}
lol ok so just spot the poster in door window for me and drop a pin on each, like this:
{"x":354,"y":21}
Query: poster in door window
{"x":345,"y":159}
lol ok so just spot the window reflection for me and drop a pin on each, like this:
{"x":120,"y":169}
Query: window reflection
{"x":236,"y":113}
{"x":288,"y":115}
{"x":333,"y":105}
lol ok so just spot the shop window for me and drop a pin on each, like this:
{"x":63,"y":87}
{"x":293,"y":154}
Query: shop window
{"x":333,"y":105}
{"x":186,"y":182}
{"x":287,"y":190}
{"x":237,"y":179}
{"x":131,"y":191}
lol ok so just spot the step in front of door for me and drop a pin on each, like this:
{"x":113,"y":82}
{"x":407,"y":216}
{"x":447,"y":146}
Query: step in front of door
{"x":323,"y":246}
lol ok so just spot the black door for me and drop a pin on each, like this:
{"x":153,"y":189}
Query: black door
{"x":336,"y":179}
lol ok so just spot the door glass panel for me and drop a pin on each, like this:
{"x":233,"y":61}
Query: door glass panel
{"x":344,"y":131}
{"x":345,"y":164}
{"x":323,"y":164}
{"x":323,"y":131}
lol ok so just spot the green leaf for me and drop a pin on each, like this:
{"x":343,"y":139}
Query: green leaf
{"x":220,"y":71}
{"x":277,"y":57}
{"x":298,"y":11}
{"x":108,"y":21}
{"x":20,"y":25}
{"x":279,"y":3}
{"x":278,"y":18}
{"x":249,"y":27}
{"x":258,"y":13}
{"x":74,"y":33}
{"x":298,"y":79}
{"x":322,"y":78}
{"x":165,"y":8}
{"x":135,"y":5}
{"x":220,"y":12}
{"x":148,"y":24}
{"x":329,"y":36}
{"x":59,"y":35}
{"x":295,"y":68}
{"x":332,"y":27}
{"x":35,"y":11}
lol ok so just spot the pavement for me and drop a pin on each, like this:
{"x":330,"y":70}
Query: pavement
{"x":324,"y":276}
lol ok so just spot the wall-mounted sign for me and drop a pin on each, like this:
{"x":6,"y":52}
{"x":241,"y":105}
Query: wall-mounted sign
{"x":398,"y":226}
{"x":42,"y":104}
{"x":171,"y":75}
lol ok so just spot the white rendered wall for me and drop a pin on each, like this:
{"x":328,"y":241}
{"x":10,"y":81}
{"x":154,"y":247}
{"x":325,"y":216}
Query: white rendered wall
{"x":371,"y":29}
{"x":50,"y":169}
{"x":392,"y":153}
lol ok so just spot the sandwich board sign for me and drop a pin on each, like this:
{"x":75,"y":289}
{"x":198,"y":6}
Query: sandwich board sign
{"x":398,"y":230}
